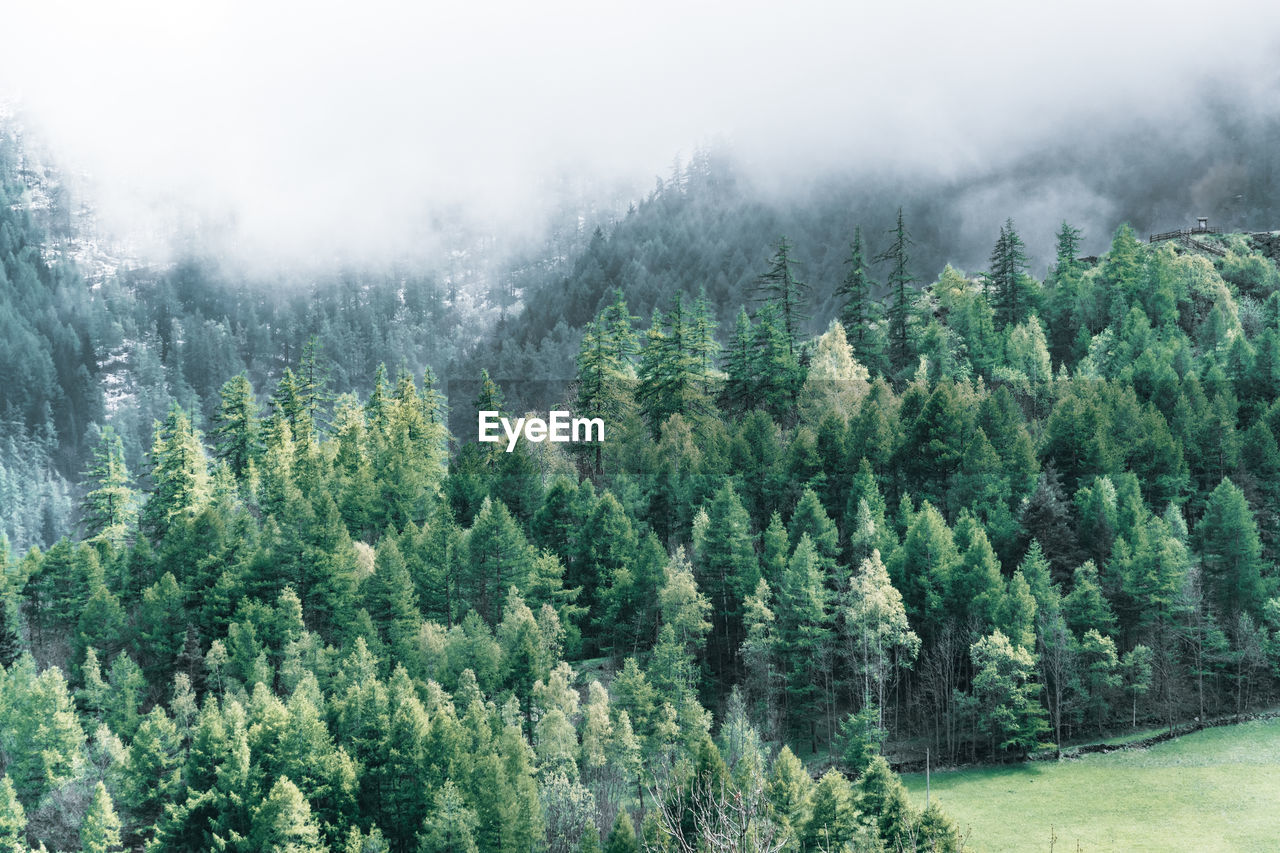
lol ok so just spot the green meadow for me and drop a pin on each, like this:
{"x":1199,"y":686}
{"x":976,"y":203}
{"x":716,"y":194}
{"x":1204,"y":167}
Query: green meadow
{"x":1217,"y":789}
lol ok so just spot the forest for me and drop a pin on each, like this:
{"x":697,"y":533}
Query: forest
{"x":834,"y":526}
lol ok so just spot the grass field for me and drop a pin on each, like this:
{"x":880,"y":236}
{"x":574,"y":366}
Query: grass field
{"x":1217,"y":789}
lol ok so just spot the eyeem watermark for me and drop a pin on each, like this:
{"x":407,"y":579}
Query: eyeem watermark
{"x":560,"y":427}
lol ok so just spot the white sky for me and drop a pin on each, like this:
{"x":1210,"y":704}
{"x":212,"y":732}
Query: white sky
{"x":310,"y":124}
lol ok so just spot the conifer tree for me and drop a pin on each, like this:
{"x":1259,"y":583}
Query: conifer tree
{"x":1006,"y":278}
{"x":180,"y":473}
{"x":779,"y":285}
{"x":1231,"y":551}
{"x":804,"y":638}
{"x":283,"y":822}
{"x":622,"y":838}
{"x":499,"y":557}
{"x":109,"y":509}
{"x":235,"y":434}
{"x":451,"y":825}
{"x":859,"y":310}
{"x":899,"y":280}
{"x":738,"y":394}
{"x":100,"y":832}
{"x":833,"y":815}
{"x":728,"y":569}
{"x":677,"y":350}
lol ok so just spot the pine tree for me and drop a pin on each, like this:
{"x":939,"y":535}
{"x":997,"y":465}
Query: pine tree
{"x":391,"y":600}
{"x":1006,"y":278}
{"x":859,"y":310}
{"x":109,"y":509}
{"x":153,"y":772}
{"x":775,"y":367}
{"x":100,"y":832}
{"x":804,"y":639}
{"x":1231,"y":552}
{"x":833,"y":817}
{"x":899,"y":280}
{"x":728,"y":570}
{"x":283,"y":823}
{"x":779,"y":285}
{"x":10,"y":642}
{"x":235,"y":434}
{"x":180,"y":474}
{"x":739,"y":393}
{"x":451,"y":825}
{"x":622,"y":838}
{"x":671,"y":374}
{"x":313,"y":382}
{"x":499,"y":557}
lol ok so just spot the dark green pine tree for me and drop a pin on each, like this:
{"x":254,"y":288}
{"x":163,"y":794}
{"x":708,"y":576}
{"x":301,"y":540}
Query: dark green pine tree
{"x":622,"y":838}
{"x":498,"y":558}
{"x":313,"y":382}
{"x":777,"y":372}
{"x":236,"y":438}
{"x":670,"y":375}
{"x":900,"y":280}
{"x":1007,"y":276}
{"x":1063,"y":308}
{"x":728,"y":570}
{"x":109,"y":509}
{"x":803,"y":638}
{"x":1231,"y":552}
{"x":739,"y":392}
{"x":702,"y":341}
{"x":859,"y":310}
{"x":778,"y":284}
{"x":391,"y":599}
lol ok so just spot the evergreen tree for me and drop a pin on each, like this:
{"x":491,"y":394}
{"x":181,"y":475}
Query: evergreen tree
{"x":109,"y":509}
{"x":282,"y":822}
{"x":1231,"y":551}
{"x":833,"y":816}
{"x":899,"y":281}
{"x":179,"y":474}
{"x":739,"y":393}
{"x":235,"y":434}
{"x":451,"y":825}
{"x":622,"y":838}
{"x":499,"y":557}
{"x":859,"y":310}
{"x":776,"y":370}
{"x":100,"y":832}
{"x":1008,"y":276}
{"x":779,"y":285}
{"x":672,"y":373}
{"x":804,"y":636}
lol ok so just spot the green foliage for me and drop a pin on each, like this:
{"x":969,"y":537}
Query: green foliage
{"x":100,"y":832}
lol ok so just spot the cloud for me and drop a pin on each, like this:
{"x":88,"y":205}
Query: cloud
{"x":295,"y":131}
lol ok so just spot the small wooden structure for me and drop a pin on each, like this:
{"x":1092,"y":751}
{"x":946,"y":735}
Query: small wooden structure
{"x":1183,"y":235}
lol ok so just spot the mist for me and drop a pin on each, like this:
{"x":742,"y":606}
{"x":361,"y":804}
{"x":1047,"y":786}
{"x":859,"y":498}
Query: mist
{"x":300,"y":133}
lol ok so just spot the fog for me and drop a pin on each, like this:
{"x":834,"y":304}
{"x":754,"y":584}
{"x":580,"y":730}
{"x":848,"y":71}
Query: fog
{"x":295,"y":132}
